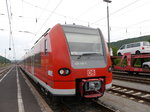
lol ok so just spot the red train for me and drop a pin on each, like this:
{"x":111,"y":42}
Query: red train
{"x":70,"y":60}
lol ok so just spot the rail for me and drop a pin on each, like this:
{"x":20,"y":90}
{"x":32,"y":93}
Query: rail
{"x":131,"y":93}
{"x":3,"y":71}
{"x":132,"y":79}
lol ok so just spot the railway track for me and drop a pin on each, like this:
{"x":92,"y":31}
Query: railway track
{"x":71,"y":104}
{"x":133,"y":94}
{"x":130,"y":78}
{"x":3,"y":71}
{"x":142,"y":75}
{"x":86,"y":105}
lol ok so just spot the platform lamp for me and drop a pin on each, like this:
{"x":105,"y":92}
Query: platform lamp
{"x":108,"y":1}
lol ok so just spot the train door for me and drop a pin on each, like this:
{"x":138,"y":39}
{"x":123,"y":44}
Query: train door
{"x":45,"y":58}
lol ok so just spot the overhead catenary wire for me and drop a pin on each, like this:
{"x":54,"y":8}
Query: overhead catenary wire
{"x":120,"y":9}
{"x":48,"y":17}
{"x":56,"y":13}
{"x":43,"y":10}
{"x":132,"y":25}
{"x":72,"y":18}
{"x":130,"y":10}
{"x":89,"y":9}
{"x":128,"y":5}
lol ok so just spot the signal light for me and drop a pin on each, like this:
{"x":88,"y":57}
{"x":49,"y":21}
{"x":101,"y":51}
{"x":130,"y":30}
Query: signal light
{"x":142,"y":48}
{"x":64,"y":71}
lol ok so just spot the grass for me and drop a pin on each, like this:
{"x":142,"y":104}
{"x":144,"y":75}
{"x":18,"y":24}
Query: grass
{"x":4,"y":65}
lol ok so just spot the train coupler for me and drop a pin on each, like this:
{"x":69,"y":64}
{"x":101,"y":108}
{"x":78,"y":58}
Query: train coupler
{"x":92,"y":88}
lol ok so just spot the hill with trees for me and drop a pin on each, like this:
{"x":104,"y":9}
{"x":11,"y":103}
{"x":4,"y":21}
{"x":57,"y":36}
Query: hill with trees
{"x":4,"y":60}
{"x":116,"y":45}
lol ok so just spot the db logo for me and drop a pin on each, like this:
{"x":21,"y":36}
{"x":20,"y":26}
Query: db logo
{"x":91,"y":72}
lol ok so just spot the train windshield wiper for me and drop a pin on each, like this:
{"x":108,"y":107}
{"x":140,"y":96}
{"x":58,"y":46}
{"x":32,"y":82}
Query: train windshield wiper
{"x":80,"y":54}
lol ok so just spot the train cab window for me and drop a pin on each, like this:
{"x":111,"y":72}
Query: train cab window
{"x":86,"y":47}
{"x":84,"y":41}
{"x":45,"y":47}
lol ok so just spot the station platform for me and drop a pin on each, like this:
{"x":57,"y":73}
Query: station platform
{"x":15,"y":95}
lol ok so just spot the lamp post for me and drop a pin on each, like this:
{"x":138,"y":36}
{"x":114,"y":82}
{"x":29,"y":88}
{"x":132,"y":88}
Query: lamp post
{"x":108,"y":1}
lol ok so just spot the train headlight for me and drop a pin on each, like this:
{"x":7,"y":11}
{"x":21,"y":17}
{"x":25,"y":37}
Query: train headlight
{"x":64,"y":71}
{"x":93,"y":86}
{"x":61,"y":72}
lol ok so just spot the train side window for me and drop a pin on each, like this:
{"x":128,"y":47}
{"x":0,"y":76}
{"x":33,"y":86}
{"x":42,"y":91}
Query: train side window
{"x":45,"y":46}
{"x":37,"y":60}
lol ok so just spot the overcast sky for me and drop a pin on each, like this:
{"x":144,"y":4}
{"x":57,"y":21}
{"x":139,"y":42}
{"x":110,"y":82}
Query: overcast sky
{"x":30,"y":18}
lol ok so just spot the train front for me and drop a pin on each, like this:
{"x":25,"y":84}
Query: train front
{"x":82,"y":64}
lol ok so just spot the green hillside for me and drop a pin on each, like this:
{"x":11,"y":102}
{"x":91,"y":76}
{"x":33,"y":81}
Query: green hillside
{"x":4,"y":60}
{"x":126,"y":41}
{"x":116,"y":45}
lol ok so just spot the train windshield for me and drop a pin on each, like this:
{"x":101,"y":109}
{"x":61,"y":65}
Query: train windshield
{"x":84,"y":44}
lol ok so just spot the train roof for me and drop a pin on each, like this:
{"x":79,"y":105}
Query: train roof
{"x":44,"y":34}
{"x":67,"y":25}
{"x":78,"y":26}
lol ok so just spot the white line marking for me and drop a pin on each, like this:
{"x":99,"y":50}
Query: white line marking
{"x":5,"y":75}
{"x":41,"y":102}
{"x":20,"y":101}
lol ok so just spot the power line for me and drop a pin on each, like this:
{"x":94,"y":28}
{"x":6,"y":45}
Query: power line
{"x":124,"y":7}
{"x":140,"y":22}
{"x":135,"y":8}
{"x":43,"y":9}
{"x":49,"y":17}
{"x":58,"y":14}
{"x":128,"y":5}
{"x":132,"y":25}
{"x":94,"y":6}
